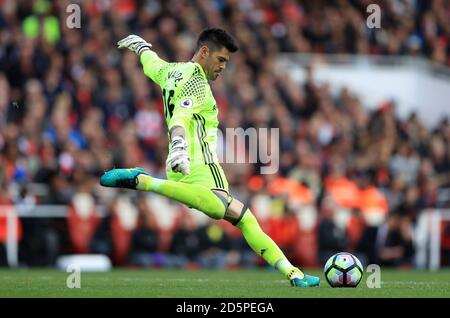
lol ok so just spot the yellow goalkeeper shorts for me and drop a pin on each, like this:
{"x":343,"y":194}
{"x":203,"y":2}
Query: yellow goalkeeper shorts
{"x":209,"y":175}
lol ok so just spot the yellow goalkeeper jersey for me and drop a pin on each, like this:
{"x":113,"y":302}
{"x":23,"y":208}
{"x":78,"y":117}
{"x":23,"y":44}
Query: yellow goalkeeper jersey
{"x":189,"y":102}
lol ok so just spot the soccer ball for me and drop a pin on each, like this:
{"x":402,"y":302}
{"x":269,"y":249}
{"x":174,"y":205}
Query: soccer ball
{"x":343,"y":270}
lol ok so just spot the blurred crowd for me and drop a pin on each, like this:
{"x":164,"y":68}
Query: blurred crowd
{"x":72,"y":106}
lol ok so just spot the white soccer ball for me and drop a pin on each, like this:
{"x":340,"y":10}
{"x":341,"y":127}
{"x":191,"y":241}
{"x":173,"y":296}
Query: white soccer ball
{"x":343,"y":270}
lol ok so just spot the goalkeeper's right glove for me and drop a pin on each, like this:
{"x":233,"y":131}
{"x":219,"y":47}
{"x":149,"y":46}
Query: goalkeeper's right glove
{"x":178,"y":158}
{"x":134,"y":43}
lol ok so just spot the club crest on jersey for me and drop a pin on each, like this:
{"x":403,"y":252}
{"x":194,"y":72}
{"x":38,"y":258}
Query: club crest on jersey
{"x":186,"y":103}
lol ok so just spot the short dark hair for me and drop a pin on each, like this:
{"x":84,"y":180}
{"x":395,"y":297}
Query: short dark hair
{"x":215,"y":39}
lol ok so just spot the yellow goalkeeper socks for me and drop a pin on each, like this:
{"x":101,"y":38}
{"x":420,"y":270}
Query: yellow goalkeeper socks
{"x":263,"y":245}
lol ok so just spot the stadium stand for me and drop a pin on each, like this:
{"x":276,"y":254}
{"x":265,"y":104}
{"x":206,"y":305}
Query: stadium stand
{"x":73,"y":106}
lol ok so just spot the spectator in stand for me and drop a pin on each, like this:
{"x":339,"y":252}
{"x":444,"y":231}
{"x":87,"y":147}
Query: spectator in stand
{"x":332,"y":238}
{"x":214,"y":246}
{"x":372,"y":203}
{"x":199,"y":246}
{"x":184,"y":246}
{"x":410,"y":205}
{"x":389,"y":244}
{"x":405,"y":164}
{"x":7,"y":210}
{"x":144,"y":250}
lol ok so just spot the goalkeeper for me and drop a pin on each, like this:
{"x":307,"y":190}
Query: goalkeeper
{"x":194,"y":175}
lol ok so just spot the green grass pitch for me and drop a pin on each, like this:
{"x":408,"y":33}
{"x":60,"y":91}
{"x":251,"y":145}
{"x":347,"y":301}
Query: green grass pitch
{"x":260,"y":283}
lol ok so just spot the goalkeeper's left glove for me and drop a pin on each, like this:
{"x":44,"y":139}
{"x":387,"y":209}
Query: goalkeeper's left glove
{"x":134,"y":43}
{"x":178,"y":158}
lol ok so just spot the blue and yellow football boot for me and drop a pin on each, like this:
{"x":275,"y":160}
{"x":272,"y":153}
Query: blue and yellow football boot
{"x":122,"y":178}
{"x":298,"y":279}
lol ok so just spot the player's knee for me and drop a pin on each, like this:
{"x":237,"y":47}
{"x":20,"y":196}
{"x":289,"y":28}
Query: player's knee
{"x":234,"y":208}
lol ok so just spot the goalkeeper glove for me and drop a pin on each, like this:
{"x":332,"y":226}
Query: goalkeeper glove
{"x":178,"y":158}
{"x":134,"y":43}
